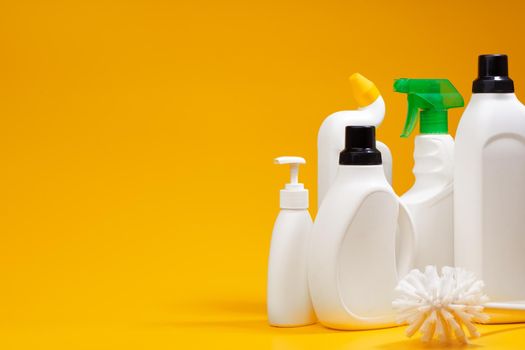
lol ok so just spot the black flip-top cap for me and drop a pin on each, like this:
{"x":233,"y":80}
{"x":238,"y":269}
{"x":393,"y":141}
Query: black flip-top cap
{"x":493,"y":75}
{"x":360,"y":146}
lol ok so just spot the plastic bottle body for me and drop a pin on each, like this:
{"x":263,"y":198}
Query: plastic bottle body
{"x":352,"y":260}
{"x":331,"y":141}
{"x":288,"y":297}
{"x":430,"y":200}
{"x":489,"y":195}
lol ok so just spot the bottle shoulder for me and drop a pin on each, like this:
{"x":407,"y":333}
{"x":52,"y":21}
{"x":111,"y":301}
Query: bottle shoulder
{"x":488,"y":130}
{"x":360,"y":178}
{"x":351,"y":185}
{"x":493,"y":112}
{"x":294,"y":214}
{"x":428,"y":196}
{"x":345,"y":200}
{"x":487,"y":118}
{"x":293,"y":218}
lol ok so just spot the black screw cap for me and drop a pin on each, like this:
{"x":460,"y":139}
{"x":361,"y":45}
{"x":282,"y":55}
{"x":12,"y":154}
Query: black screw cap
{"x":493,"y":75}
{"x":360,"y":146}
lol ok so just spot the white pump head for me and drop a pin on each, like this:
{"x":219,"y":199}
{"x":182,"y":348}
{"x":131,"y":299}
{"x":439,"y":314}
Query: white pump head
{"x":293,"y":195}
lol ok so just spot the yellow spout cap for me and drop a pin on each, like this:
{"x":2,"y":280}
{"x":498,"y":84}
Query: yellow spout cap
{"x":363,"y":90}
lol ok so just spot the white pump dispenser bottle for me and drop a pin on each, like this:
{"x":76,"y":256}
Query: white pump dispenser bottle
{"x":288,"y":297}
{"x":331,"y":137}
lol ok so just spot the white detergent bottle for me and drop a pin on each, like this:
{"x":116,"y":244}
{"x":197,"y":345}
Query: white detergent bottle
{"x":331,"y":140}
{"x":489,"y":186}
{"x":288,"y":297}
{"x":355,"y":259}
{"x":430,"y":199}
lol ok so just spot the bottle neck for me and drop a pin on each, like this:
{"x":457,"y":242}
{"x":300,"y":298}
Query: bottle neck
{"x":376,"y":110}
{"x":494,"y":100}
{"x":433,"y":122}
{"x":508,"y":96}
{"x":433,"y":161}
{"x":366,"y":171}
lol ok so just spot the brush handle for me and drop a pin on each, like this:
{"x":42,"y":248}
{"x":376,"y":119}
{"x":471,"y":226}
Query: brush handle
{"x":505,"y":306}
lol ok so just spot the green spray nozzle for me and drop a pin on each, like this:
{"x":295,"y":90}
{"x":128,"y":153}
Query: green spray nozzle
{"x":433,"y":97}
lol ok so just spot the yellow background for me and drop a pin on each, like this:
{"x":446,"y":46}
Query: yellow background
{"x":138,"y":192}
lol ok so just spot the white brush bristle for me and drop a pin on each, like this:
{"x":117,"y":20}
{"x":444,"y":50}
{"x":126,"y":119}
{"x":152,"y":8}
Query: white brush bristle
{"x":440,"y":305}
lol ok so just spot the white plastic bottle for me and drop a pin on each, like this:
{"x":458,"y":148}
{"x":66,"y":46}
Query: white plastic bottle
{"x":331,"y":140}
{"x":354,"y":259}
{"x":489,"y":185}
{"x":430,"y":199}
{"x":288,"y":297}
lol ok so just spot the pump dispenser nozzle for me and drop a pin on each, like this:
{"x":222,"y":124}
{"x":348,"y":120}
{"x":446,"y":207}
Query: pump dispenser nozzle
{"x":433,"y":97}
{"x":293,"y":195}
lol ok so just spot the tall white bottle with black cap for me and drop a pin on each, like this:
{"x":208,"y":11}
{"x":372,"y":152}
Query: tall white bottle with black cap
{"x":489,"y":186}
{"x":362,"y":241}
{"x":288,"y":297}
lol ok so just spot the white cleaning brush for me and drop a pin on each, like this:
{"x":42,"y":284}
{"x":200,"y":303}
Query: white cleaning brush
{"x":441,"y":305}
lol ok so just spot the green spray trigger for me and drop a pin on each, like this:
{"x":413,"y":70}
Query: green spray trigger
{"x":433,"y":97}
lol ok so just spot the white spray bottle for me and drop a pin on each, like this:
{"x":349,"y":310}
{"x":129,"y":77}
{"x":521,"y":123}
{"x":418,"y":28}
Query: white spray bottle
{"x":331,"y":137}
{"x":288,"y":297}
{"x":361,"y":241}
{"x":430,"y":199}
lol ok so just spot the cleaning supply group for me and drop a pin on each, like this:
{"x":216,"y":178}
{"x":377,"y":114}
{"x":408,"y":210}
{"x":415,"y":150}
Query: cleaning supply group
{"x":465,"y":209}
